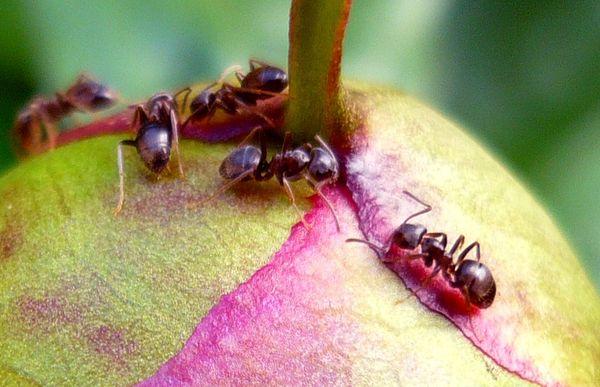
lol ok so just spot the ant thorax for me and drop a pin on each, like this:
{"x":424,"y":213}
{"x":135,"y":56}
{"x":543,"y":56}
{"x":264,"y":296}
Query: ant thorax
{"x":290,"y":164}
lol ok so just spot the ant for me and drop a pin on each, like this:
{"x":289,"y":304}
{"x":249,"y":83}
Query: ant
{"x":157,"y":126}
{"x":262,"y":82}
{"x":471,"y":277}
{"x":39,"y":117}
{"x":317,"y":165}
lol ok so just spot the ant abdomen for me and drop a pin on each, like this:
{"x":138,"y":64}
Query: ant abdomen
{"x":267,"y":78}
{"x":154,"y":146}
{"x":476,"y":282}
{"x":241,"y":160}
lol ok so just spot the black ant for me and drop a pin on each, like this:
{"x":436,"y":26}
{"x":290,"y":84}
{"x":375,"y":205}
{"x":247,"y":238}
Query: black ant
{"x":157,"y":126}
{"x":36,"y":123}
{"x":471,"y":277}
{"x":317,"y":165}
{"x":262,"y":82}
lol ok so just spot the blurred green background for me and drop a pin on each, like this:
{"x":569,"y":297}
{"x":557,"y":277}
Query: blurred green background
{"x":524,"y":78}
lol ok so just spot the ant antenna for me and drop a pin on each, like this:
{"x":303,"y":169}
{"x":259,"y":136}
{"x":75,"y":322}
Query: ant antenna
{"x":188,"y":91}
{"x":231,"y":69}
{"x":377,"y":249}
{"x":324,"y":145}
{"x":424,"y":211}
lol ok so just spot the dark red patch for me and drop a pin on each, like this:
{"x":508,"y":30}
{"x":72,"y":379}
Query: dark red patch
{"x":47,"y":314}
{"x":234,"y":126}
{"x":11,"y":238}
{"x":226,"y":128}
{"x":111,"y":342}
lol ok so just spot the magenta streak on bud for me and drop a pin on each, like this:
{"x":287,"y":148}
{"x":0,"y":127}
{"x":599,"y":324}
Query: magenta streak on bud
{"x":316,"y":314}
{"x":277,"y":327}
{"x":222,"y":127}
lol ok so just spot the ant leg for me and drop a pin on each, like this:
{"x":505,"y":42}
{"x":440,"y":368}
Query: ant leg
{"x":175,"y":129}
{"x":240,"y":76}
{"x":33,"y":144}
{"x":317,"y":188}
{"x":324,"y":145}
{"x":288,"y":190}
{"x":287,"y":140}
{"x":377,"y":249}
{"x":242,"y":108}
{"x":457,"y":245}
{"x":231,"y":69}
{"x":252,"y":62}
{"x":50,"y":130}
{"x":139,"y":116}
{"x":51,"y":133}
{"x":466,"y":251}
{"x":250,"y":90}
{"x":250,"y":136}
{"x":187,"y":91}
{"x":120,"y":164}
{"x":424,"y":211}
{"x":328,"y":203}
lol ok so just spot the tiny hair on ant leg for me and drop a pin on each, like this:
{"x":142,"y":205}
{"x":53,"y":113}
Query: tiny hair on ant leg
{"x":157,"y":125}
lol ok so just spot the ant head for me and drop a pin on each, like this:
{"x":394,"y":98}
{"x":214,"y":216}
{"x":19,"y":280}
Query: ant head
{"x":240,"y":160}
{"x":476,"y":282}
{"x":266,"y":78}
{"x":408,"y":236}
{"x":88,"y":94}
{"x":323,"y":166}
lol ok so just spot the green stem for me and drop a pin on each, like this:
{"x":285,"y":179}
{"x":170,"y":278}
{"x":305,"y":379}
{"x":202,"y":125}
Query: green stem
{"x":316,"y":36}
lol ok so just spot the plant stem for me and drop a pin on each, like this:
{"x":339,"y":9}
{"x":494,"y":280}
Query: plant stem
{"x":316,"y":36}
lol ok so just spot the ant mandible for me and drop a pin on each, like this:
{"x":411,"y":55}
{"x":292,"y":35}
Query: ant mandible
{"x":264,"y":81}
{"x":317,"y":165}
{"x":39,"y":117}
{"x":157,"y":125}
{"x":471,"y":277}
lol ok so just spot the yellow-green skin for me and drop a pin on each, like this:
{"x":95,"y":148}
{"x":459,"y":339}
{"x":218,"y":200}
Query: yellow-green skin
{"x":87,"y":298}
